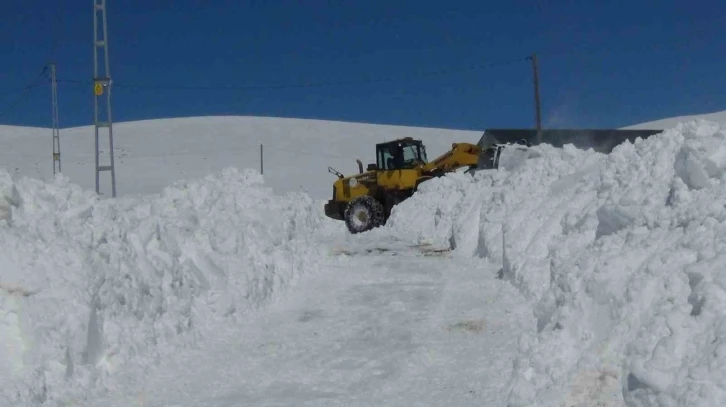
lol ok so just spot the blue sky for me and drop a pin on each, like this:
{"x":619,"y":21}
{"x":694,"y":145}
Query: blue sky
{"x":602,"y":64}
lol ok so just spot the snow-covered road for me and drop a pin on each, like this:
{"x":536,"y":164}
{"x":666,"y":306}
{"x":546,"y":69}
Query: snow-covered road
{"x":391,"y":328}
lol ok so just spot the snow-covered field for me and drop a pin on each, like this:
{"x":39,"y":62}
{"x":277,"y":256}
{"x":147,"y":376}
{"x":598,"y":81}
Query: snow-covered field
{"x":151,"y":154}
{"x":575,"y":279}
{"x":716,"y":117}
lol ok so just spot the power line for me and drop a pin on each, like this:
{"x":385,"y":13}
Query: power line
{"x":6,"y":93}
{"x":293,"y":85}
{"x":360,"y":81}
{"x":53,"y":48}
{"x":26,"y":91}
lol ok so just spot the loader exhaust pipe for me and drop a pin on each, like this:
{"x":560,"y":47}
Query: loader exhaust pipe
{"x":360,"y":166}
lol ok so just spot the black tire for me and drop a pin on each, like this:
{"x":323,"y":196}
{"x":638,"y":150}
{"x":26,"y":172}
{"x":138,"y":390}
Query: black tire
{"x":363,"y":214}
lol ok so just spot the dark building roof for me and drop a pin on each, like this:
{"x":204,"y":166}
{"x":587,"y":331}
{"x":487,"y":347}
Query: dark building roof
{"x":600,"y":140}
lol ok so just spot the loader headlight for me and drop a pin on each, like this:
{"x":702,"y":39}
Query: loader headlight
{"x":353,"y":182}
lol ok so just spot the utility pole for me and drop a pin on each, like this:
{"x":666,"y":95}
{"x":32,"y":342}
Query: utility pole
{"x":56,"y":127}
{"x":538,"y":113}
{"x":101,"y":85}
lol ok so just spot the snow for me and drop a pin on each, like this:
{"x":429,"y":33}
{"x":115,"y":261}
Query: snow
{"x":369,"y":329}
{"x":662,"y":124}
{"x":620,"y":256}
{"x":569,"y":278}
{"x":90,"y":285}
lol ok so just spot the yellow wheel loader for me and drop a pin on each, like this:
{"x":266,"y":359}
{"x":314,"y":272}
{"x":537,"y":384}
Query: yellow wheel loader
{"x":365,"y":200}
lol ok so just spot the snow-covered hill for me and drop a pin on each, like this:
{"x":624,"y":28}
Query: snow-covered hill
{"x":152,"y":154}
{"x":577,"y":279}
{"x":717,"y":117}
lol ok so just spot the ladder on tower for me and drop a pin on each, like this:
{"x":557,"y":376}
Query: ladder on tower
{"x":102,"y":92}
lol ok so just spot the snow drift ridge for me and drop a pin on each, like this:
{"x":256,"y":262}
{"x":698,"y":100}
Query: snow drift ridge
{"x":107,"y":282}
{"x":621,"y":257}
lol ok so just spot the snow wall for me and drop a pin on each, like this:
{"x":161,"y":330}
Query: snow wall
{"x":623,"y":257}
{"x":88,"y":285}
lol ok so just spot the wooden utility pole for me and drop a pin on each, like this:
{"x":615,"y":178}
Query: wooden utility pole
{"x":56,"y":127}
{"x":535,"y":72}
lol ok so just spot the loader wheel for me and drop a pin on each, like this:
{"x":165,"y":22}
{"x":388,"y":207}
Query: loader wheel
{"x":363,"y":213}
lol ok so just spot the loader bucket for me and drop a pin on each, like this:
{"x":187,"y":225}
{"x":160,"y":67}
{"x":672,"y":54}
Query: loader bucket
{"x":502,"y":154}
{"x":513,"y":156}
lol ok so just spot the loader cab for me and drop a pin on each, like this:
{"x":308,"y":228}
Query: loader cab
{"x":400,"y":154}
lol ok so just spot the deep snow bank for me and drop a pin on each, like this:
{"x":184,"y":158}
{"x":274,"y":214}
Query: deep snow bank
{"x":622,"y":257}
{"x":88,"y":285}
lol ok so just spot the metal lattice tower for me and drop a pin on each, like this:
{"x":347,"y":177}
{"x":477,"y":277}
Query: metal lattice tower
{"x":102,"y":84}
{"x":56,"y":127}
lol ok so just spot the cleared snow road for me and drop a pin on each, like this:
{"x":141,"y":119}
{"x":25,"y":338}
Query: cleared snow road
{"x":392,"y":328}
